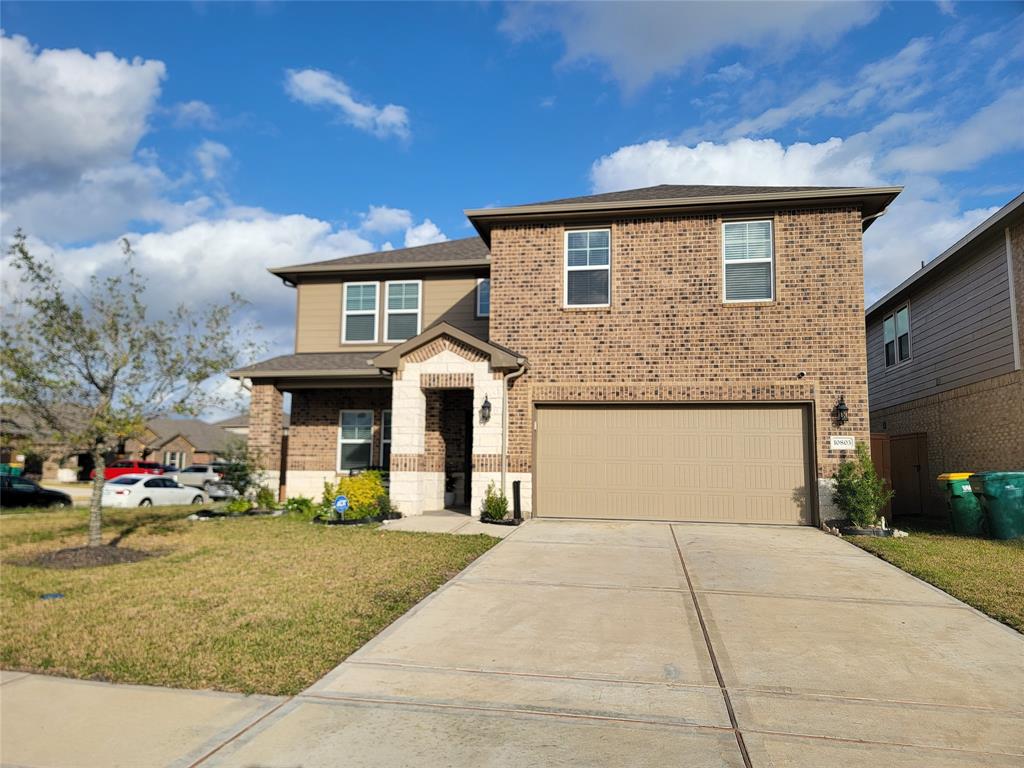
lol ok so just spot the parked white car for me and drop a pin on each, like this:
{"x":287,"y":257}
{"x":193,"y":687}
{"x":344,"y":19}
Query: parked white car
{"x":147,"y":491}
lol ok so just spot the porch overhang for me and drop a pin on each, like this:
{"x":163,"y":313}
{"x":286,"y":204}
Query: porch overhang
{"x":315,"y":369}
{"x":500,"y":359}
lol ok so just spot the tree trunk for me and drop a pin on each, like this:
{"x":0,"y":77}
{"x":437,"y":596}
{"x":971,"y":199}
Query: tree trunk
{"x":96,"y":503}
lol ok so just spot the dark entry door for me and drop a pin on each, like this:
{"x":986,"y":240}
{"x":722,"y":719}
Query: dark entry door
{"x":909,"y":457}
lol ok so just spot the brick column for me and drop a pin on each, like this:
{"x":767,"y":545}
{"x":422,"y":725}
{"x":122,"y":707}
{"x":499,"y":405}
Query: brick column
{"x":265,"y":425}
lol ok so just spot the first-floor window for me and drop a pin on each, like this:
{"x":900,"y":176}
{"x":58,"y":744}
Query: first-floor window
{"x":174,"y":458}
{"x":355,"y":437}
{"x":385,"y":439}
{"x":896,"y":328}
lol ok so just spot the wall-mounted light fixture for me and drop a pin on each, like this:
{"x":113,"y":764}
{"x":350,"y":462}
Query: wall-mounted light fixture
{"x":842,"y":412}
{"x":485,"y":411}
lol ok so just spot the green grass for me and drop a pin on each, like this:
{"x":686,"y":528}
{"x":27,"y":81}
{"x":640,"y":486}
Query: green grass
{"x":986,"y":574}
{"x":263,"y":605}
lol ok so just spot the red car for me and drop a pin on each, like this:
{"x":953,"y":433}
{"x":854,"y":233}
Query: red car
{"x":128,"y":467}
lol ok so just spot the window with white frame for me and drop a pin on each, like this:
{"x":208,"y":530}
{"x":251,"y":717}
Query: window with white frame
{"x":896,"y":332}
{"x":403,"y":310}
{"x":588,"y":267}
{"x":360,"y":316}
{"x":174,"y":459}
{"x":385,"y":439}
{"x":355,"y":439}
{"x":749,"y":267}
{"x":483,"y":297}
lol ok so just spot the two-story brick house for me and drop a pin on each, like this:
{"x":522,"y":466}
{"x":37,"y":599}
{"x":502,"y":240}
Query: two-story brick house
{"x":666,"y":353}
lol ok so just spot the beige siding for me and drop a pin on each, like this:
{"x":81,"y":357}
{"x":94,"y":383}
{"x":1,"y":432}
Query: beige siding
{"x":736,"y":464}
{"x":318,"y":314}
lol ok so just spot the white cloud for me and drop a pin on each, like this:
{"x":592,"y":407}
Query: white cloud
{"x":990,"y":131}
{"x":741,"y":161}
{"x":384,"y":220}
{"x":637,"y":41}
{"x":316,"y":87}
{"x":731,"y":74}
{"x":211,"y":156}
{"x":195,"y":112}
{"x":65,"y":111}
{"x":423,"y":234}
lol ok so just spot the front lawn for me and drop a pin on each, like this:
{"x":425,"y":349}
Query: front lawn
{"x":263,"y":605}
{"x":986,"y":574}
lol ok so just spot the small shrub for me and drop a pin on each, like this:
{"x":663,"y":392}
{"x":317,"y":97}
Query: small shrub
{"x":238,"y":506}
{"x":495,"y":505}
{"x":265,"y":498}
{"x":241,"y":466}
{"x":301,"y":506}
{"x":362,"y":491}
{"x":860,"y":493}
{"x":386,"y":509}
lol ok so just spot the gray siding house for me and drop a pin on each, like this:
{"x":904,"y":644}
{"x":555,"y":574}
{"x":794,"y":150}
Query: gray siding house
{"x":945,"y":384}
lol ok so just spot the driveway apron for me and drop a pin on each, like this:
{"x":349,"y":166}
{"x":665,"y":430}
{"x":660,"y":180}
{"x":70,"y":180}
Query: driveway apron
{"x":654,"y":644}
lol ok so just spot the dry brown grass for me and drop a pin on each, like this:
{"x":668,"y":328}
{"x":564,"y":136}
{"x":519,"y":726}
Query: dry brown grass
{"x":262,"y":605}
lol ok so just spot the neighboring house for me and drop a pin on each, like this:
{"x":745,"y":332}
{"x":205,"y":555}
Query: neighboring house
{"x":239,"y":424}
{"x":944,"y":363}
{"x":178,"y":442}
{"x":667,"y":353}
{"x":28,"y":443}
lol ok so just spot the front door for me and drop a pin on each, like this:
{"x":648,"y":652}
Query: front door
{"x":909,"y":458}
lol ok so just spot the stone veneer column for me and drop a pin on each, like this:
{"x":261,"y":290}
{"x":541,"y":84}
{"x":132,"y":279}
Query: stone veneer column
{"x":266,"y":407}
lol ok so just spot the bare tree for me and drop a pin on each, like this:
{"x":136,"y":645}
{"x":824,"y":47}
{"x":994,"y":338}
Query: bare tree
{"x":93,"y":367}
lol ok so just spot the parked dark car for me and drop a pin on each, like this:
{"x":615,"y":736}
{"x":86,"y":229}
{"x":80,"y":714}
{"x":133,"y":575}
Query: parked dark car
{"x":21,"y":492}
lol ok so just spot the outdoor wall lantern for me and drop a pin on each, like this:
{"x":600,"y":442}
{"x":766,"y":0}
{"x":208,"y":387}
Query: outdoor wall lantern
{"x":485,"y":410}
{"x":842,"y":412}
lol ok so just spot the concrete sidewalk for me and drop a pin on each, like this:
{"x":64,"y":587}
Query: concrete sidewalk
{"x":602,"y":644}
{"x":447,"y":521}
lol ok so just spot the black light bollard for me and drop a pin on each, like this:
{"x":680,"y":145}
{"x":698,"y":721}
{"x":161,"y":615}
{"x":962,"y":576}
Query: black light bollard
{"x":517,"y":509}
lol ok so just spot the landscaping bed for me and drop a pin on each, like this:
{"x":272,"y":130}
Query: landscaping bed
{"x":256,"y":604}
{"x":986,"y":574}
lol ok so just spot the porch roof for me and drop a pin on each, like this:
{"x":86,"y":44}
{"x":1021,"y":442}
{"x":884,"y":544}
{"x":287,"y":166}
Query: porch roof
{"x":311,"y":364}
{"x":500,"y":358}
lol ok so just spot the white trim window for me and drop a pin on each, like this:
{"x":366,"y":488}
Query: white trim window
{"x":896,"y":336}
{"x":483,"y":297}
{"x":355,"y":439}
{"x":748,"y":261}
{"x":359,"y":319}
{"x":385,"y":439}
{"x":174,"y":459}
{"x":588,"y":267}
{"x":403,"y":308}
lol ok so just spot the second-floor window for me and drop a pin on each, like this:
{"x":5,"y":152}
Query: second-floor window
{"x":360,"y":321}
{"x":588,"y":268}
{"x":748,"y":261}
{"x":483,"y":297}
{"x":896,"y":332}
{"x":403,"y":310}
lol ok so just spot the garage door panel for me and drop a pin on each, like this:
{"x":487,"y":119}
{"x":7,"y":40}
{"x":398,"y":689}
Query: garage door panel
{"x":716,"y":463}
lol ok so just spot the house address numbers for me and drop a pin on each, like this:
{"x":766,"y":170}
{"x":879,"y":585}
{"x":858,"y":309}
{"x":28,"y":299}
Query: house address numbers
{"x":842,"y":443}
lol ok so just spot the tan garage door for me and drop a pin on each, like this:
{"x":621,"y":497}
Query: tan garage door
{"x":740,"y":464}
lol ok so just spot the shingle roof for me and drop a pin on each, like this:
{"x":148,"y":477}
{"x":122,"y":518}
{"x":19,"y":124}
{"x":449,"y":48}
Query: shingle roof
{"x":470,"y":250}
{"x":242,"y":420}
{"x":676,"y":192}
{"x":204,"y":437}
{"x":311,"y":362}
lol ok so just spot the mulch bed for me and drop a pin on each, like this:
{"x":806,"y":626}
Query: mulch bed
{"x":87,"y":557}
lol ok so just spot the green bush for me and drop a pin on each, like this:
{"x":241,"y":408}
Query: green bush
{"x":860,"y":493}
{"x":366,"y":496}
{"x":265,"y":498}
{"x":301,"y":506}
{"x":495,"y":505}
{"x":238,"y":506}
{"x":240,"y":466}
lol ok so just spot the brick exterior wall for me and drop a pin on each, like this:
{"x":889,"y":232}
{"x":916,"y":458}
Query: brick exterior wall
{"x":974,"y":428}
{"x":266,"y":406}
{"x":313,"y":433}
{"x":668,"y":335}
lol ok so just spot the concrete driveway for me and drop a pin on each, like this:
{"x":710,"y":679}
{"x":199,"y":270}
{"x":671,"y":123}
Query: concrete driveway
{"x":647,"y":644}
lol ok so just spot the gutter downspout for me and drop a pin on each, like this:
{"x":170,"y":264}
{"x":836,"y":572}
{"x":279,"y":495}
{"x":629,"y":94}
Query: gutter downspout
{"x":872,"y":217}
{"x":509,"y":378}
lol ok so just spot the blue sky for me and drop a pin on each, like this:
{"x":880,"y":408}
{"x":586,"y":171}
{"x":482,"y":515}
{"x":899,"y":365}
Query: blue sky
{"x":224,"y":138}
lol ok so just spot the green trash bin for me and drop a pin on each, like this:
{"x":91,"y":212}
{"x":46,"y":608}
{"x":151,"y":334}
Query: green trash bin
{"x":964,"y":507}
{"x":1002,"y":500}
